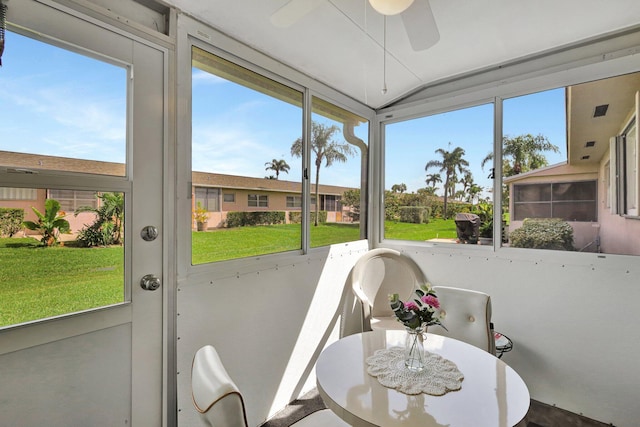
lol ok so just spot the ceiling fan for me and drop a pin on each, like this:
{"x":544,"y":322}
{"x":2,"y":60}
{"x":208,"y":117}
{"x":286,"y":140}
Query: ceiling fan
{"x":416,"y":15}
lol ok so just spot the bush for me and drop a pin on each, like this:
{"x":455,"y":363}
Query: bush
{"x":10,"y":221}
{"x":96,"y":235}
{"x":296,"y":217}
{"x":242,"y":219}
{"x":414,"y":214}
{"x":543,"y":233}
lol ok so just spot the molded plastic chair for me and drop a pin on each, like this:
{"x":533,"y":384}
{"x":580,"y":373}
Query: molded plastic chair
{"x":218,"y":399}
{"x":378,"y":273}
{"x":467,"y":317}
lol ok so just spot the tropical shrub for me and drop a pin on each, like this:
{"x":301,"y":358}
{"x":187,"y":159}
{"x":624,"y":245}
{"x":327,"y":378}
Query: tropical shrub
{"x":241,"y":219}
{"x":543,"y":233}
{"x":296,"y":217}
{"x":414,"y":214}
{"x":107,"y":227}
{"x":11,"y":220}
{"x":49,"y":224}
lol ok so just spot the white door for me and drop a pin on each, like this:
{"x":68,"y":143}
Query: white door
{"x":81,"y":342}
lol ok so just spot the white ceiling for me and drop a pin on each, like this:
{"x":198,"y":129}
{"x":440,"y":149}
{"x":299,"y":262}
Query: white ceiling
{"x":340,"y":42}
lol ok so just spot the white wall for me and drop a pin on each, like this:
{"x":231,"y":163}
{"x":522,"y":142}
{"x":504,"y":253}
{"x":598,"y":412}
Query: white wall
{"x":573,"y":319}
{"x":269,"y":322}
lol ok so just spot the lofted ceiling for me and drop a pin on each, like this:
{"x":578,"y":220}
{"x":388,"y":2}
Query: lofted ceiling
{"x":340,"y":42}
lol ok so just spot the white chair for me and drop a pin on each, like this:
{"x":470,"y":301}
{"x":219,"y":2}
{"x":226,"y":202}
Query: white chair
{"x":375,"y":275}
{"x":467,"y":317}
{"x":218,"y":399}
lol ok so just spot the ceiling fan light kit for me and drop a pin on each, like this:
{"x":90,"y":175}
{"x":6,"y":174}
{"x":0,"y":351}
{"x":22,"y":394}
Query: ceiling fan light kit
{"x":390,"y":7}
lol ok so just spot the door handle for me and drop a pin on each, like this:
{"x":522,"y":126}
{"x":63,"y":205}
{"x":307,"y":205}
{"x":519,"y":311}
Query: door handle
{"x":149,"y":282}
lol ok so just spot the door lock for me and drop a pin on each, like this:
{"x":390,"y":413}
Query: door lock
{"x":149,"y":282}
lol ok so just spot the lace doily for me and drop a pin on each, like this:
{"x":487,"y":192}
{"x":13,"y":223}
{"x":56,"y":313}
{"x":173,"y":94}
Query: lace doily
{"x":437,"y":378}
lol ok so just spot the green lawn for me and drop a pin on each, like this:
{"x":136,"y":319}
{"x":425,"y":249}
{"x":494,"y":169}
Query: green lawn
{"x":37,"y":282}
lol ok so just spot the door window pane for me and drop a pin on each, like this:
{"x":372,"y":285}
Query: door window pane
{"x":54,"y":262}
{"x":61,"y":248}
{"x":72,"y":109}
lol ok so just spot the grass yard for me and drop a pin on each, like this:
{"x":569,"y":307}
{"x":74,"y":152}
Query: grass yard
{"x":37,"y":282}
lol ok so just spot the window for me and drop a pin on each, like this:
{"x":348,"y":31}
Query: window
{"x":258,"y":201}
{"x":583,"y":168}
{"x":627,"y":158}
{"x":208,"y":198}
{"x":571,"y":201}
{"x":243,"y":128}
{"x":9,"y":193}
{"x":338,"y":151}
{"x":70,"y":200}
{"x":331,"y":203}
{"x":435,"y":167}
{"x":69,"y":117}
{"x":294,"y":202}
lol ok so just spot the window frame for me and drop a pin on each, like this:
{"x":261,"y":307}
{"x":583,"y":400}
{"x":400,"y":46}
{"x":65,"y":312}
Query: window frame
{"x":255,"y":200}
{"x":552,"y":202}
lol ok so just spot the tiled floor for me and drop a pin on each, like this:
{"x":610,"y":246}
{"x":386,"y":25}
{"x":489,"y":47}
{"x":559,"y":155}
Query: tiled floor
{"x":539,"y":415}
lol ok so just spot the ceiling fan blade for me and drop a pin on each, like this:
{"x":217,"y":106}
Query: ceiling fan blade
{"x":420,"y":25}
{"x":293,"y":11}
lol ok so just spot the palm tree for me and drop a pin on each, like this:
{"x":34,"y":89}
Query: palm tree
{"x":399,"y":188}
{"x":452,"y":162}
{"x":473,"y":191}
{"x":523,"y":153}
{"x":433,"y":179}
{"x":325,"y":149}
{"x":277,"y":166}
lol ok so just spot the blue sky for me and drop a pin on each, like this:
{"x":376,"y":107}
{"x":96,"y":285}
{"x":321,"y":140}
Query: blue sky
{"x":57,"y":102}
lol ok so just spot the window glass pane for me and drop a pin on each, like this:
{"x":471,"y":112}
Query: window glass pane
{"x":73,"y":108}
{"x":436,"y":167}
{"x":72,"y":262}
{"x":532,"y":193}
{"x":579,"y":141}
{"x":630,"y":171}
{"x":585,"y":190}
{"x":61,"y":249}
{"x":339,"y":142}
{"x":243,"y":127}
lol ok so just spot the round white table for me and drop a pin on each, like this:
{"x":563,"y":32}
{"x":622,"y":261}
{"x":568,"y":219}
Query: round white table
{"x":492,"y":393}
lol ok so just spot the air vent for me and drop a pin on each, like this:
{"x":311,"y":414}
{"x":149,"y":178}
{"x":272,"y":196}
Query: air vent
{"x":601,"y":110}
{"x":585,"y":157}
{"x":589,"y":144}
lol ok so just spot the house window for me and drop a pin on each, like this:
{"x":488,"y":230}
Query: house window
{"x":258,"y":200}
{"x":70,"y":200}
{"x":294,"y":202}
{"x":208,"y":198}
{"x":628,"y":171}
{"x":10,"y":193}
{"x":229,"y":197}
{"x":571,"y":201}
{"x":331,"y":203}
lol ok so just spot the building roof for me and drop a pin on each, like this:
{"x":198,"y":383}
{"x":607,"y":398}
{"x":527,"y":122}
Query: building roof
{"x":22,"y":161}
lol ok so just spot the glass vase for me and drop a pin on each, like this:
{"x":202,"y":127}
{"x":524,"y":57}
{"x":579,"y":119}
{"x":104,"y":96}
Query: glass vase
{"x":414,"y":356}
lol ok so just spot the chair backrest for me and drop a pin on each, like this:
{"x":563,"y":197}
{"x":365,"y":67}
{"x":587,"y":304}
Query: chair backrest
{"x":215,"y":395}
{"x":467,"y":317}
{"x":381,"y":272}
